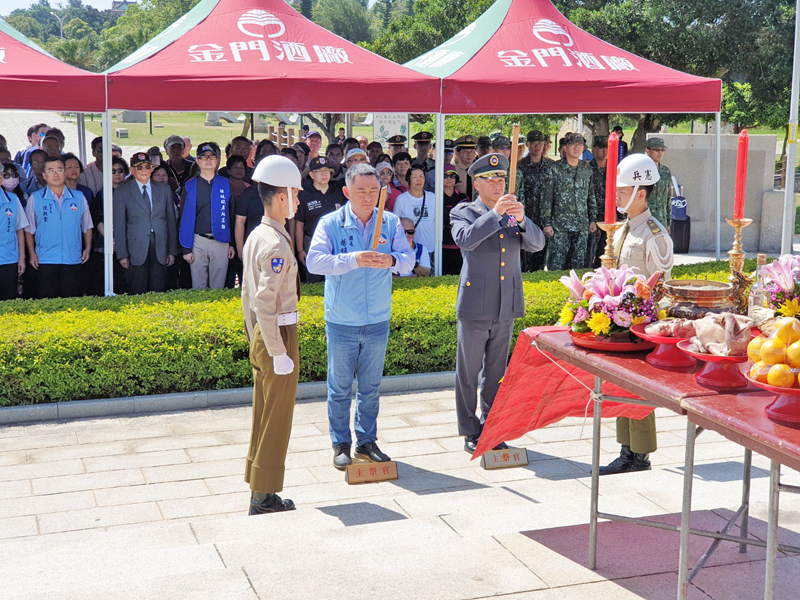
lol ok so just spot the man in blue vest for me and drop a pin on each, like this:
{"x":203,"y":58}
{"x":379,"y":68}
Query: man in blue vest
{"x":12,"y":240}
{"x":59,"y":233}
{"x":205,"y":227}
{"x":358,"y":296}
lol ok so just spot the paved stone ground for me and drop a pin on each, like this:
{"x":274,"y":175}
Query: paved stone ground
{"x":154,"y":507}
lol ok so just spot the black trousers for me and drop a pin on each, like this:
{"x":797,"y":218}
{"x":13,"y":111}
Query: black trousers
{"x":58,"y":281}
{"x":451,"y":261}
{"x":150,"y":276}
{"x":8,"y":281}
{"x":481,"y":360}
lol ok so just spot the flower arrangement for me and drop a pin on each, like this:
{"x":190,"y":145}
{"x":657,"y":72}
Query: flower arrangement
{"x":782,"y":286}
{"x":607,"y":302}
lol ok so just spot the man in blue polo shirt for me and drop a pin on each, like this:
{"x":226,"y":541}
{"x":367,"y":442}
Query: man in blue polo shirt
{"x":358,"y":296}
{"x":59,"y":233}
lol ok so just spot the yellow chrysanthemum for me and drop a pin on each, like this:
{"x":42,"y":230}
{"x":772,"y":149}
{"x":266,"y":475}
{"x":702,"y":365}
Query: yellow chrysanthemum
{"x":662,"y":314}
{"x":566,"y":315}
{"x":790,"y":308}
{"x":637,"y":320}
{"x":599,"y":323}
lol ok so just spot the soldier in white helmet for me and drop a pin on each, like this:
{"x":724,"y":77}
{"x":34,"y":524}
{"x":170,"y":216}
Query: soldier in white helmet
{"x":643,"y":244}
{"x":270,"y":290}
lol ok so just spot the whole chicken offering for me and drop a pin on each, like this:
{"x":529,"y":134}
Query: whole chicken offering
{"x":676,"y":328}
{"x":723,"y":334}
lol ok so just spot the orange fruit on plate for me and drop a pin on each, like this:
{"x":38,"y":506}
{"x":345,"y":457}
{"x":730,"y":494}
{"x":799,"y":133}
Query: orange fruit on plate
{"x":788,"y":330}
{"x":754,"y":348}
{"x":793,"y":355}
{"x":759,"y":372}
{"x":773,"y":351}
{"x":781,"y":376}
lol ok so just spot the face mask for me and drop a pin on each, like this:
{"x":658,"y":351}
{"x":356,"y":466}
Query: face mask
{"x":11,"y":183}
{"x":624,"y":210}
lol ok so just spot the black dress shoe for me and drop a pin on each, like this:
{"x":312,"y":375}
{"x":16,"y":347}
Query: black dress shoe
{"x":501,"y":446}
{"x":272,"y":503}
{"x":471,"y":442}
{"x":371,"y":452}
{"x":341,"y":456}
{"x":621,"y":464}
{"x":640,"y":462}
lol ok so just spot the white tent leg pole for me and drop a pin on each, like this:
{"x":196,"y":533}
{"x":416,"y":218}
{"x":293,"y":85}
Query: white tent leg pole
{"x":82,"y":138}
{"x":580,"y":125}
{"x":791,"y":148}
{"x":717,"y":143}
{"x":348,"y":125}
{"x":108,"y":207}
{"x":439,"y":185}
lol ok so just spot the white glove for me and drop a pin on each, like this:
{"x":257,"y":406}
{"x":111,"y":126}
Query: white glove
{"x":282,"y":364}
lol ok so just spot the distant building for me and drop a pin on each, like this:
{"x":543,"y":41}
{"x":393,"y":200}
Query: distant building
{"x":120,"y":6}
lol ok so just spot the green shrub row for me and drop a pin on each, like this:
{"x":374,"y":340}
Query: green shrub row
{"x":83,"y":348}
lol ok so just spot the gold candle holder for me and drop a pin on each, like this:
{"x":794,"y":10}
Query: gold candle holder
{"x":740,"y":281}
{"x":609,"y":259}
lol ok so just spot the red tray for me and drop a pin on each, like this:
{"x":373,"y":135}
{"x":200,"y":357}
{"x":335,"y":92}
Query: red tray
{"x":785,"y":409}
{"x":588,"y":340}
{"x":720,"y":372}
{"x":666,"y":355}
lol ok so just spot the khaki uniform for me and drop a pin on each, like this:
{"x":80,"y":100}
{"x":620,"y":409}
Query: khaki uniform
{"x":642,"y":244}
{"x":270,"y":289}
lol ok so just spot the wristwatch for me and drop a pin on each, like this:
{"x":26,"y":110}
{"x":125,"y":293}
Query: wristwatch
{"x":394,"y":260}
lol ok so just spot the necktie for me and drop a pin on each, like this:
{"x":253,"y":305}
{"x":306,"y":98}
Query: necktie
{"x":147,"y":202}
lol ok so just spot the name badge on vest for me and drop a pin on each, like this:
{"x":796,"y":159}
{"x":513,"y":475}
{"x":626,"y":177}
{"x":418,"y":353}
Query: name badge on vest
{"x":277,"y":265}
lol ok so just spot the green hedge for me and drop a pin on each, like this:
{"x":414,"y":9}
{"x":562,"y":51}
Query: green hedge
{"x":82,"y":348}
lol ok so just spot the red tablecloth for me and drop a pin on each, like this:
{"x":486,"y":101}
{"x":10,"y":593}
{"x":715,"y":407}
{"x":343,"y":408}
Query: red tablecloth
{"x":538,"y":390}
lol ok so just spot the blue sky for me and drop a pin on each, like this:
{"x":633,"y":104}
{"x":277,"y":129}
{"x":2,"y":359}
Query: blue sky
{"x":6,"y":6}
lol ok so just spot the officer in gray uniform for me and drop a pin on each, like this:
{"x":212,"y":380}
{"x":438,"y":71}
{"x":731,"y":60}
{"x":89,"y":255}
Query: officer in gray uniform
{"x":490,"y":232}
{"x":644,"y":245}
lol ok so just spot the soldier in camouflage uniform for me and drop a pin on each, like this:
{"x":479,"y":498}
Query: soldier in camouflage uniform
{"x":531,"y":174}
{"x":597,"y":239}
{"x":568,"y":207}
{"x":660,"y":200}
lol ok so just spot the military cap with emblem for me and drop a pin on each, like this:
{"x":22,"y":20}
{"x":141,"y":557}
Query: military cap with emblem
{"x":535,"y":136}
{"x":501,"y":141}
{"x":573,"y":138}
{"x":422,"y":136}
{"x":489,"y":165}
{"x":655,"y":142}
{"x":397,"y":140}
{"x":319,"y":162}
{"x":140,"y":158}
{"x":466,"y":141}
{"x":600,"y":141}
{"x":449,"y":145}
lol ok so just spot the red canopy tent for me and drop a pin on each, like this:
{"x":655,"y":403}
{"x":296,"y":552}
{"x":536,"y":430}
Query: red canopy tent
{"x":523,"y":56}
{"x":269,"y":58}
{"x":32,"y":79}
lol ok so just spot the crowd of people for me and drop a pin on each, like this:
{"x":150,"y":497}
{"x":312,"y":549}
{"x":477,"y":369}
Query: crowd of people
{"x":181,"y":218}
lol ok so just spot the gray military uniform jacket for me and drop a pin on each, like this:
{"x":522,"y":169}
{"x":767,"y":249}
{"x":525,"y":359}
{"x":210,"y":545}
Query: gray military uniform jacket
{"x":490,"y":287}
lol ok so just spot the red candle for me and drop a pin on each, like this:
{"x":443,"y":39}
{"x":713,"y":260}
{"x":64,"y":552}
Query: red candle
{"x":611,"y":179}
{"x":741,"y":176}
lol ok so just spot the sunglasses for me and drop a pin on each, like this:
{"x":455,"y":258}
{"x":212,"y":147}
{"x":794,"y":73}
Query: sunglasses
{"x":118,"y":171}
{"x":450,"y":175}
{"x":144,"y":167}
{"x":9,"y":174}
{"x":410,"y":231}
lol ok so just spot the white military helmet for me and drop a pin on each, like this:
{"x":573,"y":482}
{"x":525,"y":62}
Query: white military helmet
{"x":278,"y":171}
{"x":637,"y":170}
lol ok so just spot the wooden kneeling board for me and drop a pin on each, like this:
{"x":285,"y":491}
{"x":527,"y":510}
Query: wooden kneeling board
{"x":502,"y":459}
{"x":370,"y":472}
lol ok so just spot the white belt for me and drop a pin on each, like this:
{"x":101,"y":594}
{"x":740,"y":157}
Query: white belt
{"x":287,"y":318}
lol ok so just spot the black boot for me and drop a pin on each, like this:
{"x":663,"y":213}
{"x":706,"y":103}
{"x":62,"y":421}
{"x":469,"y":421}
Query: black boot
{"x":262,"y":503}
{"x":620,"y":464}
{"x":640,"y":462}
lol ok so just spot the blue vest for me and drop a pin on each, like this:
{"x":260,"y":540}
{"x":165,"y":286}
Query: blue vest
{"x":58,"y":232}
{"x":9,"y":244}
{"x":363,"y":296}
{"x":220,"y":224}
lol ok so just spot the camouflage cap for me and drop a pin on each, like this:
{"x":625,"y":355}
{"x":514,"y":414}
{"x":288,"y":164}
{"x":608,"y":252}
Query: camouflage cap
{"x":655,"y":142}
{"x":501,"y":141}
{"x":535,"y":136}
{"x":484,"y":141}
{"x":600,"y":141}
{"x":573,"y":138}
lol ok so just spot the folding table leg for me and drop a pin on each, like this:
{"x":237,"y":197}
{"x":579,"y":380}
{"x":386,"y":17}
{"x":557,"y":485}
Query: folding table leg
{"x":772,"y":529}
{"x":598,"y":404}
{"x":686,"y":513}
{"x":744,"y":523}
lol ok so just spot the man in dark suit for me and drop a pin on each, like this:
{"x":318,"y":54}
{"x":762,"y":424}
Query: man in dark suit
{"x":145,"y":231}
{"x":490,"y":232}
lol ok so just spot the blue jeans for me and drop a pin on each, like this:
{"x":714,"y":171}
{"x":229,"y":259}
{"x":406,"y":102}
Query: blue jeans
{"x":355,"y":351}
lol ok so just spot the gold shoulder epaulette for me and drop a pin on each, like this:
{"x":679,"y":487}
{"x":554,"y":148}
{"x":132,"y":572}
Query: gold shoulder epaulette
{"x":654,"y":227}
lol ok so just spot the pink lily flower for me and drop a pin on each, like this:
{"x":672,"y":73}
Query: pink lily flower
{"x":609,"y":285}
{"x":782,"y":272}
{"x":574,"y":285}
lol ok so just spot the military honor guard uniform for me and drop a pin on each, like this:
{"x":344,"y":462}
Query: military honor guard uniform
{"x":490,"y":289}
{"x":270,"y":290}
{"x":396,"y":143}
{"x":465,"y":142}
{"x":422,"y":144}
{"x":644,"y":245}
